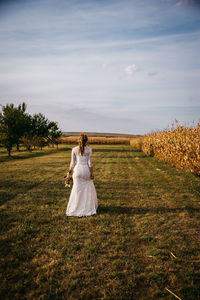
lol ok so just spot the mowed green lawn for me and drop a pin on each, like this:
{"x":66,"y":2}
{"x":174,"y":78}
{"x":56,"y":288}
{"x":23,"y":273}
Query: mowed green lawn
{"x":147,"y":210}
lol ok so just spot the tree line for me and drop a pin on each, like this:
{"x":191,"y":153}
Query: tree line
{"x":17,"y":127}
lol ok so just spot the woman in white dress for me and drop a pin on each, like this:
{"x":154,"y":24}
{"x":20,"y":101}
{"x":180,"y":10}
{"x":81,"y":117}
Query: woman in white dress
{"x":83,"y":198}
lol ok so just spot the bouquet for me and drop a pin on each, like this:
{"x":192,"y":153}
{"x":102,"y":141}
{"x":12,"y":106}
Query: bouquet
{"x":68,"y":180}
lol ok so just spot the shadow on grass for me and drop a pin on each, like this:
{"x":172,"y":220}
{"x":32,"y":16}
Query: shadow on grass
{"x":21,"y":187}
{"x":142,"y":211}
{"x":34,"y":153}
{"x":113,"y":150}
{"x":125,"y":157}
{"x":124,"y":185}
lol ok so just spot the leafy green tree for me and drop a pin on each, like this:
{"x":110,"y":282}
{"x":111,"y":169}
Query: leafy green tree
{"x":40,"y":125}
{"x":38,"y":131}
{"x":54,"y":133}
{"x":6,"y":137}
{"x":33,"y":131}
{"x":29,"y":138}
{"x":41,"y":129}
{"x":12,"y":125}
{"x":22,"y":123}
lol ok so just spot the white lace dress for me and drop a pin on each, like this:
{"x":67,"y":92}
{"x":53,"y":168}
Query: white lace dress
{"x":83,"y":198}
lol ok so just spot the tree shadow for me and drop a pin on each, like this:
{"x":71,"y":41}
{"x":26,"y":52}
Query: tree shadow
{"x":144,"y":210}
{"x":19,"y":187}
{"x":114,"y":150}
{"x":32,"y":154}
{"x":115,"y":185}
{"x":130,"y":156}
{"x":124,"y":185}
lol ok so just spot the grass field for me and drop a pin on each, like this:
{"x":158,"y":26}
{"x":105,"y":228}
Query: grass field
{"x":147,"y":210}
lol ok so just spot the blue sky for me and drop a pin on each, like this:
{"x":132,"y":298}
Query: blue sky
{"x":106,"y":66}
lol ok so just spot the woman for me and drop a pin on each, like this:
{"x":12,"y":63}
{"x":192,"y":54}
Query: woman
{"x":83,"y":197}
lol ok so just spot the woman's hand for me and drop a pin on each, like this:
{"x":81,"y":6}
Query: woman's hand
{"x":69,"y":175}
{"x":91,"y":173}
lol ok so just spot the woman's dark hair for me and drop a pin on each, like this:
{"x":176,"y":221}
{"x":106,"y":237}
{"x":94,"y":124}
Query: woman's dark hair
{"x":82,"y":142}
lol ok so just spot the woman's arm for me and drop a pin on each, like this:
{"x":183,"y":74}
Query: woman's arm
{"x":72,"y":163}
{"x":90,"y":164}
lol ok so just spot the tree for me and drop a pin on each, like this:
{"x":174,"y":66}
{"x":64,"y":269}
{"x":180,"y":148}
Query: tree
{"x":29,"y":138}
{"x":40,"y":125}
{"x":17,"y":126}
{"x":12,"y":125}
{"x":6,"y":137}
{"x":37,"y":131}
{"x":21,"y":122}
{"x":54,"y":133}
{"x":41,"y":129}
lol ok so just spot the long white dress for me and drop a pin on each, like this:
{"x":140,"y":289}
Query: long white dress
{"x":83,"y":198}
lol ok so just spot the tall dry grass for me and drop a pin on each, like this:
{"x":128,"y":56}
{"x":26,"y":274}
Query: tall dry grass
{"x":179,"y":146}
{"x":96,"y":140}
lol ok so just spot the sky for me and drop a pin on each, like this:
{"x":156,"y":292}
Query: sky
{"x":121,"y":66}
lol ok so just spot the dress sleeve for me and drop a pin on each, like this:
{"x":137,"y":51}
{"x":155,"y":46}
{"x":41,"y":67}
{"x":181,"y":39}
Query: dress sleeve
{"x":90,"y":159}
{"x":73,"y":159}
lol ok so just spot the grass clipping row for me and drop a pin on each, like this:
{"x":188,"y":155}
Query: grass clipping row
{"x":179,"y":146}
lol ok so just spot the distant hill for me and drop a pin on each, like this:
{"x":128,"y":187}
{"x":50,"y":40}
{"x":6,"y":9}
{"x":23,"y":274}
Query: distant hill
{"x":99,"y":134}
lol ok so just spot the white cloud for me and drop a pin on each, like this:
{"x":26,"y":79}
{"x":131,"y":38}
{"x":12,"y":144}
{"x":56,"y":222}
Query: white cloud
{"x":181,"y":3}
{"x":130,"y":70}
{"x":187,"y":2}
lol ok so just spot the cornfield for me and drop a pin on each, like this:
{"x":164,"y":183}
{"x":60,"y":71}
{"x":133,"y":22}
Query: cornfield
{"x":179,"y":146}
{"x":95,"y":140}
